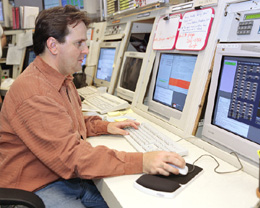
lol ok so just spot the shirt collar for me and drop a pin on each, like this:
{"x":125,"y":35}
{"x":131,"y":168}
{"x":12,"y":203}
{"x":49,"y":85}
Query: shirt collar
{"x":52,"y":75}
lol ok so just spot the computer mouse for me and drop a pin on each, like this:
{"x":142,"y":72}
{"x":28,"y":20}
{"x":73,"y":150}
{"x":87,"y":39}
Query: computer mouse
{"x":182,"y":171}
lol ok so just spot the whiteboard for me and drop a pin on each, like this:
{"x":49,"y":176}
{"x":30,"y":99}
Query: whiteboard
{"x":194,"y":30}
{"x":167,"y":32}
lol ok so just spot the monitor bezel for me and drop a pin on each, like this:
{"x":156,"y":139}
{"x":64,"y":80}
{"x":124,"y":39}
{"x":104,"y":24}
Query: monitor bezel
{"x":214,"y":134}
{"x":122,"y":92}
{"x":154,"y":106}
{"x":101,"y":82}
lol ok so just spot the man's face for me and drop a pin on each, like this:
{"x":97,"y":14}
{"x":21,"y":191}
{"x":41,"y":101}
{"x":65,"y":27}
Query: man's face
{"x":72,"y":51}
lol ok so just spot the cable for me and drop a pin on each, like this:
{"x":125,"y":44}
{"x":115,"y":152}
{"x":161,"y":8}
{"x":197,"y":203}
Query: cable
{"x":215,"y":169}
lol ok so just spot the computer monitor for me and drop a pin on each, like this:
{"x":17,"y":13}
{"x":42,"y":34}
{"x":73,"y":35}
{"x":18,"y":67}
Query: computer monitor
{"x":29,"y":57}
{"x":171,"y":78}
{"x":106,"y":62}
{"x":51,"y":3}
{"x":129,"y":75}
{"x":1,"y":13}
{"x":140,"y":35}
{"x":5,"y":13}
{"x":77,"y":3}
{"x":232,"y":118}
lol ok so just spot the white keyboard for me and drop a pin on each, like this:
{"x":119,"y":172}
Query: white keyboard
{"x":104,"y":103}
{"x":87,"y":91}
{"x":146,"y":138}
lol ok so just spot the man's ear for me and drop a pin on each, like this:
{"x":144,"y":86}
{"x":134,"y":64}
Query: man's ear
{"x":52,"y":45}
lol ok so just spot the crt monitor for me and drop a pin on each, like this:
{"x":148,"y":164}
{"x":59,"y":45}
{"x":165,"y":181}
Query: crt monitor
{"x":232,"y":119}
{"x":129,"y":75}
{"x":170,"y":83}
{"x":106,"y":61}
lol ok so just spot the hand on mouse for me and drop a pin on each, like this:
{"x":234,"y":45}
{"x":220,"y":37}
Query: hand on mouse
{"x":158,"y":162}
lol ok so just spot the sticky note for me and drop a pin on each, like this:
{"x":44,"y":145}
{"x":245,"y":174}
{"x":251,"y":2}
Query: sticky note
{"x":113,"y":114}
{"x":258,"y":152}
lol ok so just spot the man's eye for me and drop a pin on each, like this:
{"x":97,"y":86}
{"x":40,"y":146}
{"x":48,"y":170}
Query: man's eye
{"x":79,"y":43}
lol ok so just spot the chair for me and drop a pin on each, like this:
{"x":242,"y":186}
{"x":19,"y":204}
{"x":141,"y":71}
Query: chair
{"x":10,"y":196}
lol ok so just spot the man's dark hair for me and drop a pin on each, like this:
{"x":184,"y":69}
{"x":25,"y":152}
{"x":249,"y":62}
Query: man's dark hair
{"x":53,"y":22}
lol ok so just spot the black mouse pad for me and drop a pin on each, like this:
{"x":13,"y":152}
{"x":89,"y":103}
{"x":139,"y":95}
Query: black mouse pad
{"x":184,"y":179}
{"x":168,"y":183}
{"x":157,"y":183}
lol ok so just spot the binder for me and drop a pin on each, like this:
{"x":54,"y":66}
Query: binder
{"x":16,"y":17}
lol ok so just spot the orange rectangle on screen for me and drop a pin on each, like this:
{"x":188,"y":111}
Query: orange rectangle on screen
{"x":179,"y":83}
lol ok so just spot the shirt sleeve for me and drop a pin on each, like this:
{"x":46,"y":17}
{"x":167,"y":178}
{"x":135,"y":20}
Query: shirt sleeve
{"x":95,"y":126}
{"x":46,"y":129}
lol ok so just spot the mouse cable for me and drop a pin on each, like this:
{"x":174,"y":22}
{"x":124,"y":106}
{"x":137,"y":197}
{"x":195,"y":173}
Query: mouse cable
{"x":215,"y":169}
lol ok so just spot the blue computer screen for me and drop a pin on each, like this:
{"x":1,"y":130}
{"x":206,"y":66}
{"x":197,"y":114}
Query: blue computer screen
{"x":173,"y":79}
{"x":51,"y":3}
{"x":77,"y":3}
{"x":237,"y":106}
{"x":1,"y":12}
{"x":105,"y":63}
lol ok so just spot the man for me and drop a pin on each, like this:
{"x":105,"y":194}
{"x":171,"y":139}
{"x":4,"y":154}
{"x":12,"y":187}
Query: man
{"x":43,"y":133}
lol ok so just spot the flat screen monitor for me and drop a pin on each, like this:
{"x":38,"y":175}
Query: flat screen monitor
{"x":232,"y":118}
{"x":106,"y":62}
{"x":170,"y":83}
{"x":29,"y":57}
{"x":78,"y":3}
{"x":50,"y":3}
{"x":129,"y":74}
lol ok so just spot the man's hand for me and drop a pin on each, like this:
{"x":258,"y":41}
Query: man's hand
{"x":157,"y":162}
{"x":118,"y":127}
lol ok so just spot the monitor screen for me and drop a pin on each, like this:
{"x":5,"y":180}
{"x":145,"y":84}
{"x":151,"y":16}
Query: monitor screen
{"x":173,"y":79}
{"x":105,"y":63}
{"x":50,"y":3}
{"x":1,"y":12}
{"x":84,"y":61}
{"x":237,"y":107}
{"x":232,"y":117}
{"x":138,"y":42}
{"x":78,"y":3}
{"x":130,"y":74}
{"x":29,"y":57}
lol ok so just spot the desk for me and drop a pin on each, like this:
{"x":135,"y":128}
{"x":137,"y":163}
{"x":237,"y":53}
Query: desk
{"x":208,"y":190}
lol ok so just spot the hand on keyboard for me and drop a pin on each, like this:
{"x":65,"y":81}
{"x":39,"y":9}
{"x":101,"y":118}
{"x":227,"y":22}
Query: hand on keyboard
{"x":158,"y":162}
{"x":118,"y":127}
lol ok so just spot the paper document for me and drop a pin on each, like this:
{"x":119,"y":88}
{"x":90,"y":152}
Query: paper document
{"x":14,"y":55}
{"x":25,"y":39}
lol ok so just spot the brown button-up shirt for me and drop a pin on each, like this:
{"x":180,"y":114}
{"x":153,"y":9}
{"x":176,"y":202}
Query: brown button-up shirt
{"x":43,"y":134}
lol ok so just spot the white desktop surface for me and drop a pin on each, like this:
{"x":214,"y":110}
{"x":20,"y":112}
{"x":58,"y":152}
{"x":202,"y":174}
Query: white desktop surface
{"x":208,"y":190}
